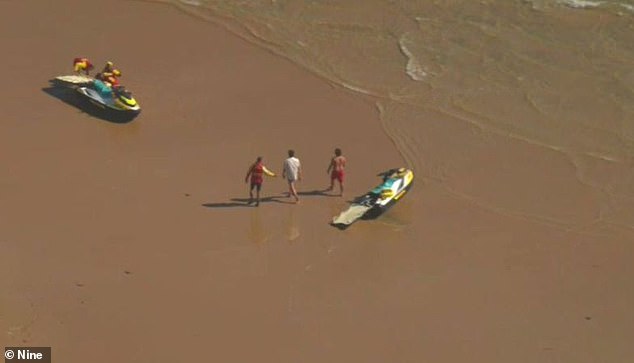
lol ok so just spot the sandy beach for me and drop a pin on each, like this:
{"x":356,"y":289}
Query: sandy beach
{"x":132,"y":242}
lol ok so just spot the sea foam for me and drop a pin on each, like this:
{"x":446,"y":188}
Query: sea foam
{"x":414,"y":69}
{"x":581,"y":4}
{"x":628,"y":7}
{"x":191,"y":2}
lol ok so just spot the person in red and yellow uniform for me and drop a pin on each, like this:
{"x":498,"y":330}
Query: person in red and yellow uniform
{"x":82,"y":65}
{"x":111,"y":77}
{"x":256,"y":172}
{"x":107,"y":71}
{"x":108,"y":68}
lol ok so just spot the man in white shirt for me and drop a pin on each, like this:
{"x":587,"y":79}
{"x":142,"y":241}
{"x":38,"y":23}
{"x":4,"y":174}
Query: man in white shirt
{"x":292,"y":171}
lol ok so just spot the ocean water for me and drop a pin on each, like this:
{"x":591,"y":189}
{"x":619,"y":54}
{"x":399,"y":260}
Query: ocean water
{"x":557,"y":75}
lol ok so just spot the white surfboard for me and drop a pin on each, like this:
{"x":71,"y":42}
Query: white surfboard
{"x":350,"y":215}
{"x":75,"y":79}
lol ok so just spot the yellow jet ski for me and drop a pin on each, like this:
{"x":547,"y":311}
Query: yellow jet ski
{"x":396,"y":182}
{"x":114,"y":99}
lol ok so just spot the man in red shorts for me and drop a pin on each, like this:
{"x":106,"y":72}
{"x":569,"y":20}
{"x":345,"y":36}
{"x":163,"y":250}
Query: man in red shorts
{"x":256,"y":172}
{"x":336,"y":170}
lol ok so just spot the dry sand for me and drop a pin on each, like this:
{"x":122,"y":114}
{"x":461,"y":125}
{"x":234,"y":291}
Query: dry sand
{"x":122,"y":242}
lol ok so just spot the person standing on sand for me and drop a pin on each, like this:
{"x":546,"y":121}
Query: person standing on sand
{"x":256,"y":172}
{"x":292,"y":172}
{"x":335,"y":169}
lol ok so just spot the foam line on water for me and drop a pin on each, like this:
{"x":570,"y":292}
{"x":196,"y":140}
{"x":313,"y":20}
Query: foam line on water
{"x":191,"y":2}
{"x":414,"y":69}
{"x":581,"y":4}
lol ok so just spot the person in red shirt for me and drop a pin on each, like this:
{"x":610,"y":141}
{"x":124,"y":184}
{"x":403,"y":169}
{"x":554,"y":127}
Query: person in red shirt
{"x":336,"y":170}
{"x":256,"y":172}
{"x":82,"y":64}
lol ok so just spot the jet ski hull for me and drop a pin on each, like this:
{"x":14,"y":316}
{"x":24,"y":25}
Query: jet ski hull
{"x":379,"y":209}
{"x":110,"y":105}
{"x":396,"y":183}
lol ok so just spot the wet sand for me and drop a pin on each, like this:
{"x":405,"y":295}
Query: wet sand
{"x":131,"y":241}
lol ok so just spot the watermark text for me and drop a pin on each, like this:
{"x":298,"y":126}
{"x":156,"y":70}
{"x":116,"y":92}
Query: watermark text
{"x":27,"y":354}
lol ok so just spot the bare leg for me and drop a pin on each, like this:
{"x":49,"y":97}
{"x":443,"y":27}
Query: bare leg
{"x":293,"y":191}
{"x":341,"y":188}
{"x":257,"y":200}
{"x":251,"y":195}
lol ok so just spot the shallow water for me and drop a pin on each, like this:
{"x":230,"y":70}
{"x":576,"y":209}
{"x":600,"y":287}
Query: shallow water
{"x":553,"y":76}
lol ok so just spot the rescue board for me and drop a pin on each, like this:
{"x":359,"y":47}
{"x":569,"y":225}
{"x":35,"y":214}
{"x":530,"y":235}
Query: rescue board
{"x":74,"y":79}
{"x":350,"y":215}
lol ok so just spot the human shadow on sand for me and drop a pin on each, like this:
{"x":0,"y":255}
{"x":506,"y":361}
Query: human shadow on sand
{"x":318,"y":192}
{"x":283,"y":198}
{"x":244,"y":202}
{"x":71,"y":97}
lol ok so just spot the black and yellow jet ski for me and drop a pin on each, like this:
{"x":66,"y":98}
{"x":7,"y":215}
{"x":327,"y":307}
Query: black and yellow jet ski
{"x":116,"y":99}
{"x":396,"y":182}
